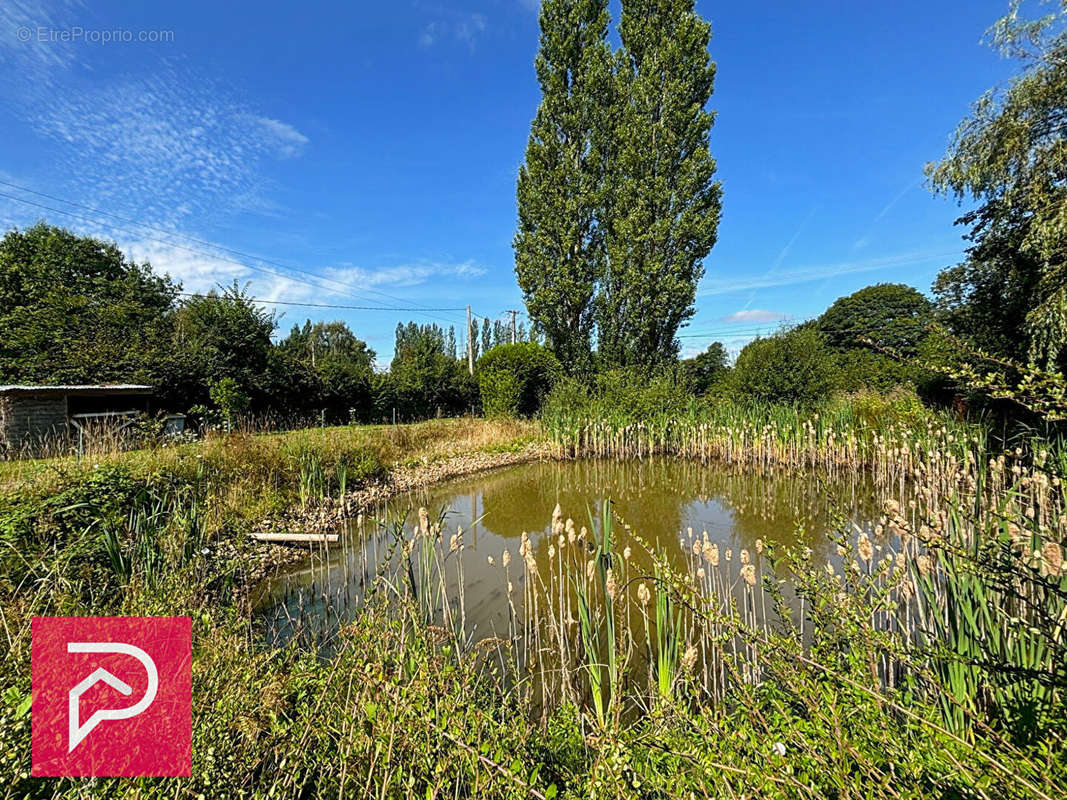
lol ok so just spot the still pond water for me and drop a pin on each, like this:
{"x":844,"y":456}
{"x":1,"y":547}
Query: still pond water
{"x":659,"y":499}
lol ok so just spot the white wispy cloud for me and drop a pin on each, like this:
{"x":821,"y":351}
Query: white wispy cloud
{"x":733,"y":345}
{"x":195,"y":267}
{"x":755,"y":315}
{"x":200,"y":267}
{"x":865,"y":239}
{"x":287,"y":140}
{"x":402,"y":276}
{"x":181,"y":152}
{"x":462,"y":27}
{"x":429,"y":34}
{"x":169,"y":147}
{"x":784,"y":252}
{"x":22,"y":47}
{"x":163,"y":144}
{"x":714,"y":286}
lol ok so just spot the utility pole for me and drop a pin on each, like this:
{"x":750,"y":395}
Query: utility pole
{"x":470,"y":349}
{"x":514,"y":330}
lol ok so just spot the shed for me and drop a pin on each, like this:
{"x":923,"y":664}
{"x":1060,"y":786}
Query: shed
{"x":32,"y":415}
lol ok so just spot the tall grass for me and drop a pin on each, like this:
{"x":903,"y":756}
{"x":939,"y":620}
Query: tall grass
{"x":893,"y":665}
{"x":251,"y":478}
{"x":599,"y":659}
{"x":668,"y":628}
{"x":981,"y":536}
{"x":925,"y":659}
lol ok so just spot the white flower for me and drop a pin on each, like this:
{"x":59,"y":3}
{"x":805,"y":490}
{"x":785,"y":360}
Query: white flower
{"x":779,"y":748}
{"x":206,"y":551}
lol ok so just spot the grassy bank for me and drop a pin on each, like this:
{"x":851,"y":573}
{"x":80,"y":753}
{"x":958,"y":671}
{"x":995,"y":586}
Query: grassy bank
{"x":249,"y":477}
{"x":162,"y":531}
{"x":929,"y":662}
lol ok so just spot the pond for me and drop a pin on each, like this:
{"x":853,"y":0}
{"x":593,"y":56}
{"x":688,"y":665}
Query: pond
{"x":665,"y":504}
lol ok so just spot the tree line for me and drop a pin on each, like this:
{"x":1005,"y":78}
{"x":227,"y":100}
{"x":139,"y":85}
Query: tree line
{"x":618,"y":208}
{"x":75,"y":309}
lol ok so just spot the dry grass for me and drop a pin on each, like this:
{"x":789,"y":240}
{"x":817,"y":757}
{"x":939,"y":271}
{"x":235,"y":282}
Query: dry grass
{"x":440,"y":439}
{"x":251,"y":478}
{"x":393,"y":445}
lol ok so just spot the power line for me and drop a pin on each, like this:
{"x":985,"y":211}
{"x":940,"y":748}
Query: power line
{"x":347,"y":293}
{"x":722,"y":332}
{"x":417,"y":309}
{"x":190,"y":238}
{"x":749,"y":330}
{"x":326,"y":305}
{"x":725,"y":334}
{"x":745,"y":328}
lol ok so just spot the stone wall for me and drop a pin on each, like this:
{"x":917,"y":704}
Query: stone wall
{"x":31,"y":420}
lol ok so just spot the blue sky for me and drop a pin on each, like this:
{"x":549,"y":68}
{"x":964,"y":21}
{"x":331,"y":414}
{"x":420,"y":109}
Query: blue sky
{"x":374,"y":147}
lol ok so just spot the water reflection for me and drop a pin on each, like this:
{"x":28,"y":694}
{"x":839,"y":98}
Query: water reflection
{"x":658,"y":499}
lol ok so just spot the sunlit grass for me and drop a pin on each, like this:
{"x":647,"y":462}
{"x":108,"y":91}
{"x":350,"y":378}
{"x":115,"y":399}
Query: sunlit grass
{"x":926,"y":659}
{"x":255,"y":475}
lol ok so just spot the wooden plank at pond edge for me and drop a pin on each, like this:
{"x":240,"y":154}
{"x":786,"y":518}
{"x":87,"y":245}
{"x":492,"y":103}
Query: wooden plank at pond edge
{"x":296,"y":538}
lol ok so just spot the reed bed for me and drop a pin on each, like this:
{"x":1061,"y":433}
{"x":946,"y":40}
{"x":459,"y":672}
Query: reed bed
{"x":923,"y":656}
{"x":947,"y":460}
{"x":963,"y":640}
{"x":968,"y":554}
{"x":950,"y":610}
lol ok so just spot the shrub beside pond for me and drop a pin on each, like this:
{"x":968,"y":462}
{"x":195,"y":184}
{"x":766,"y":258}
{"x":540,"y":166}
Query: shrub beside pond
{"x":515,"y":378}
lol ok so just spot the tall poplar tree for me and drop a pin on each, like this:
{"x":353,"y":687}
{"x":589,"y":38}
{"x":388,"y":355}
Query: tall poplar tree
{"x":558,"y":250}
{"x":661,"y":205}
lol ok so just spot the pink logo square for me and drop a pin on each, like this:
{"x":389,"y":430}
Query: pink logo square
{"x":112,"y":696}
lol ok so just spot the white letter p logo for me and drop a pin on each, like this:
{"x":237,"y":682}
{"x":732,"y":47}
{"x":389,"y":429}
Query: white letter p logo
{"x":78,"y":732}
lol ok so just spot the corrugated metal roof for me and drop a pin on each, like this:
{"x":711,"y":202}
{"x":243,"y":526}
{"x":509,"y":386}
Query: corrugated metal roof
{"x":83,"y":387}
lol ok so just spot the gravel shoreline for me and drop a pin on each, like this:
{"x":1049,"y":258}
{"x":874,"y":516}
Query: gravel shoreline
{"x":267,"y":559}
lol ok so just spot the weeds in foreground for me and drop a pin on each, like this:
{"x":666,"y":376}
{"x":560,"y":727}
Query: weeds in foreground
{"x":853,"y":672}
{"x":925,"y":659}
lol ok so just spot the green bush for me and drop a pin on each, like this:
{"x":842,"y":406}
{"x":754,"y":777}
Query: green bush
{"x":880,"y":411}
{"x":424,"y":384}
{"x":706,"y":370}
{"x":515,"y":378}
{"x":864,"y":328}
{"x":868,"y":369}
{"x":891,"y":315}
{"x":226,"y":394}
{"x":623,"y":395}
{"x":792,"y":367}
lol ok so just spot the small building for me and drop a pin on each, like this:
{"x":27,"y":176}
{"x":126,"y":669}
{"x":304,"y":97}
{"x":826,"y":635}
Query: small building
{"x":32,"y":416}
